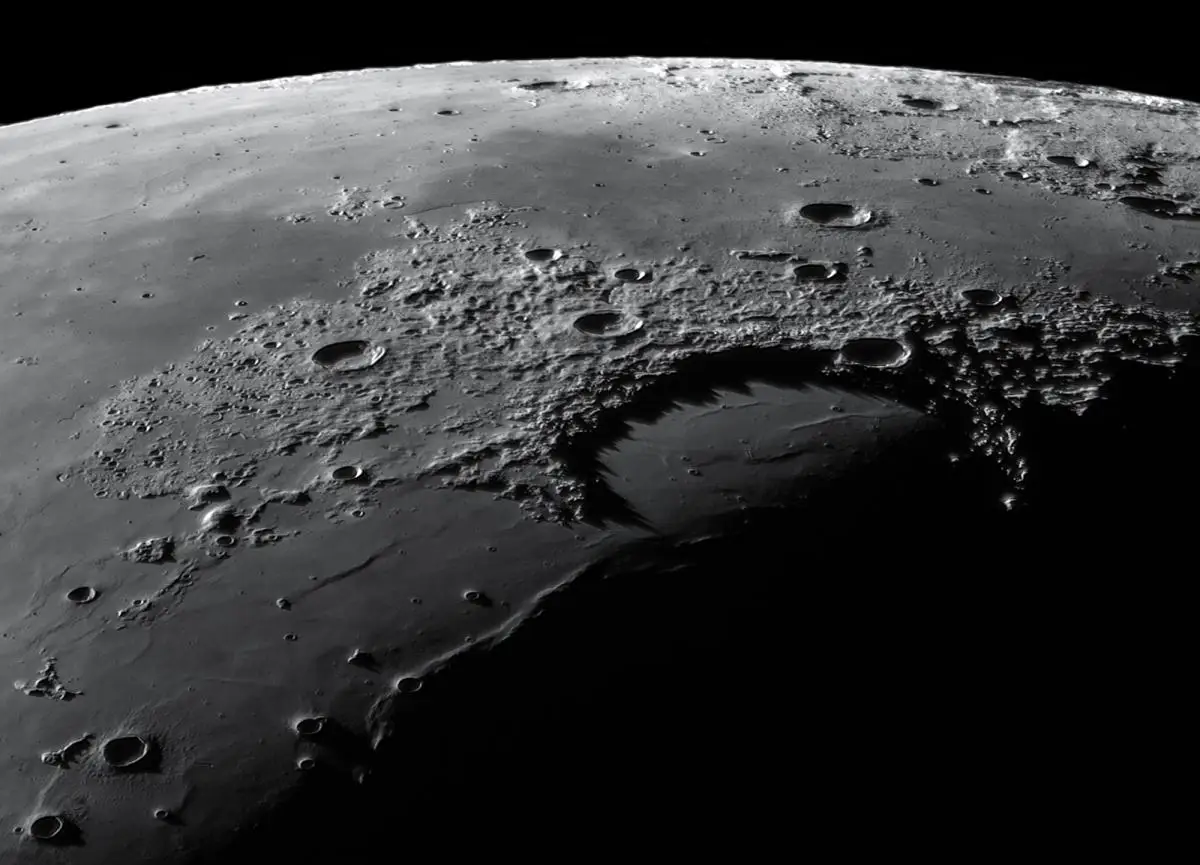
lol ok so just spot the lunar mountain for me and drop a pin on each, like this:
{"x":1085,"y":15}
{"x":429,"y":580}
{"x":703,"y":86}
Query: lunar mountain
{"x":690,"y":444}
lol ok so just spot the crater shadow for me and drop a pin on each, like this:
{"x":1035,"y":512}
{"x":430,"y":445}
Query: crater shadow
{"x":894,"y":632}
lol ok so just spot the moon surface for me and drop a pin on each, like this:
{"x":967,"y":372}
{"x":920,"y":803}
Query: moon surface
{"x":331,"y":402}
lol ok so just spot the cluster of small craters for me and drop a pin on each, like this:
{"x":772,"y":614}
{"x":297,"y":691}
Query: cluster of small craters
{"x":146,"y":609}
{"x":1022,"y":130}
{"x":539,"y":334}
{"x":1156,"y":187}
{"x":774,"y":256}
{"x":47,"y":684}
{"x":353,"y":203}
{"x":151,"y":551}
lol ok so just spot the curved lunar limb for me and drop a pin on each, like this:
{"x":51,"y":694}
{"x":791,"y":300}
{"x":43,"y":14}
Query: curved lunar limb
{"x":453,"y":443}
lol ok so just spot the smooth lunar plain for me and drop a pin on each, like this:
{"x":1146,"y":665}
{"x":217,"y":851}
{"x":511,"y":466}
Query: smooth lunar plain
{"x":319,"y":393}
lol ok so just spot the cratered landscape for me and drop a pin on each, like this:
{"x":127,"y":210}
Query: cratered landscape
{"x":686,"y":443}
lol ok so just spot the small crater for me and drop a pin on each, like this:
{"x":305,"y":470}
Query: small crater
{"x":311,"y":726}
{"x":348,"y":355}
{"x":127,"y":752}
{"x":1071,"y":161}
{"x":306,"y":764}
{"x":408,"y":685}
{"x":875,"y":352}
{"x":479,"y":599}
{"x":607,"y":324}
{"x":162,"y":814}
{"x":921,"y":103}
{"x":821,"y":271}
{"x":225,"y":541}
{"x":928,"y":181}
{"x":82,"y":595}
{"x":631,"y":274}
{"x":982,"y":296}
{"x":448,"y":112}
{"x":983,"y":191}
{"x":1018,"y":175}
{"x":836,"y":215}
{"x":112,"y":126}
{"x":347,"y":474}
{"x":543,"y":254}
{"x":697,"y":153}
{"x":49,"y":828}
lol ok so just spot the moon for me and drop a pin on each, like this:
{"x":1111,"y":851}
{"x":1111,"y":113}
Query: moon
{"x":333,"y":403}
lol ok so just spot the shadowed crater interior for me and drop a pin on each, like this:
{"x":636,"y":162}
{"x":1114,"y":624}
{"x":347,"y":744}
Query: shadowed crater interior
{"x":347,"y":355}
{"x":816,"y":615}
{"x":836,"y":215}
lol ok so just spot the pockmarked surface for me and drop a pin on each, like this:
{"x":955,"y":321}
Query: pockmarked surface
{"x":317,"y":387}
